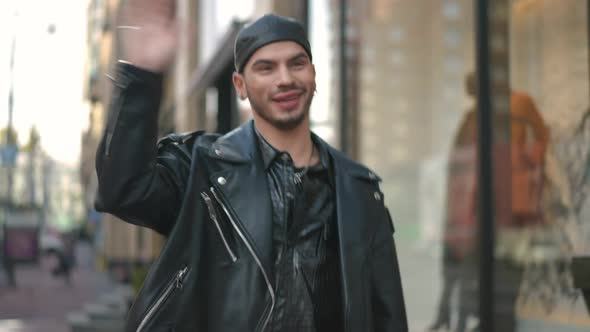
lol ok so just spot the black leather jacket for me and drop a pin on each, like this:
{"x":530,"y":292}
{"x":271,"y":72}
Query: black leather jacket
{"x":208,"y":194}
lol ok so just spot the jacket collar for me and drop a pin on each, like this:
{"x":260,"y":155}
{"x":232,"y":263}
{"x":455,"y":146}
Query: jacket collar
{"x":270,"y":153}
{"x":243,"y":145}
{"x":237,"y":146}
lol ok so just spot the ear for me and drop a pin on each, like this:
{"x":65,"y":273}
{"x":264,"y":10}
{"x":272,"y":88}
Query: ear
{"x":314,"y":82}
{"x":239,"y":85}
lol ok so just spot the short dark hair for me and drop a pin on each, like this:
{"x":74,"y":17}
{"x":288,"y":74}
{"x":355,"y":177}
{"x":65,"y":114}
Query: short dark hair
{"x":268,"y":29}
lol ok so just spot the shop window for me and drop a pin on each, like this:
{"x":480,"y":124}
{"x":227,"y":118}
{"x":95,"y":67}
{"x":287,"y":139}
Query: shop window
{"x":549,"y":73}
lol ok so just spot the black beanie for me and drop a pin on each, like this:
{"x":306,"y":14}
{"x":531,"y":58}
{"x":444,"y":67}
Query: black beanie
{"x":267,"y":29}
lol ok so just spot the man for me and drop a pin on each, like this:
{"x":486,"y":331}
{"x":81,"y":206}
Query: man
{"x":268,"y":228}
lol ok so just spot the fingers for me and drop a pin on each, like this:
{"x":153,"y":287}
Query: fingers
{"x":147,"y":31}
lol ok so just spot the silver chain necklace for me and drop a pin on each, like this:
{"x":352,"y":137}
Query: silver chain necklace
{"x":297,"y":178}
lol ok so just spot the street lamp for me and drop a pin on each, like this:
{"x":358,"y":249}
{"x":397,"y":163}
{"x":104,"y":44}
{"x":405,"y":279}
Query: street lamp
{"x":9,"y":149}
{"x":8,"y":153}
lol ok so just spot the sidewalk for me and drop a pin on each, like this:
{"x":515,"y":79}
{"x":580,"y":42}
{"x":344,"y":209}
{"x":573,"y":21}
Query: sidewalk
{"x":41,"y":302}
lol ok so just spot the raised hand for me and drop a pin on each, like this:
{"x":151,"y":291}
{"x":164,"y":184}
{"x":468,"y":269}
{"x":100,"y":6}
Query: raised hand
{"x":148,"y":33}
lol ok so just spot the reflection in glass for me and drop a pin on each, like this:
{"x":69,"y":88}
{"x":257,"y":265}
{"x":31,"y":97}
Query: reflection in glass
{"x":414,"y":105}
{"x":413,"y":56}
{"x":549,"y":61}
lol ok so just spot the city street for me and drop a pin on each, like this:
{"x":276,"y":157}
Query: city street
{"x":41,"y":302}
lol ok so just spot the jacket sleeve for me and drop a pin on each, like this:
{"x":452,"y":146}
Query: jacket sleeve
{"x":389,"y":312}
{"x":137,"y":181}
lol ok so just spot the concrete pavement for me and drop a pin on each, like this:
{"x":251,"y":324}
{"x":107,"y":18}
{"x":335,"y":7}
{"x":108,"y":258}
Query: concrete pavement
{"x":41,"y":302}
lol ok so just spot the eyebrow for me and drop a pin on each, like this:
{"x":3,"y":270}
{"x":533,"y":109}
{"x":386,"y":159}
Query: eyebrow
{"x":298,"y":56}
{"x":268,"y":62}
{"x":262,"y":61}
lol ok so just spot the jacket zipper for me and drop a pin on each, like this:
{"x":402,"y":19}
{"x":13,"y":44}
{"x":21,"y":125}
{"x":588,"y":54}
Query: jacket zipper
{"x":175,"y":283}
{"x":256,"y":258}
{"x":213,"y":216}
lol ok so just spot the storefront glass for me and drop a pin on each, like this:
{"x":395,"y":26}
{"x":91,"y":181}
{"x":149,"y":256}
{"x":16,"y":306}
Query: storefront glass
{"x":550,"y":150}
{"x":412,"y":74}
{"x":413,"y":60}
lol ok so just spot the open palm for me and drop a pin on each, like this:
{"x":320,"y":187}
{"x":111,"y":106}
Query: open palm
{"x":148,"y":33}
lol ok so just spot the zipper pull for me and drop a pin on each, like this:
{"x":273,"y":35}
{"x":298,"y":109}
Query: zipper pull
{"x":297,"y":178}
{"x":179,"y":277}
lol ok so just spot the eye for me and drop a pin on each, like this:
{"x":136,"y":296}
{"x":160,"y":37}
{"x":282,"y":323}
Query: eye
{"x":299,"y":64}
{"x":264,"y":68}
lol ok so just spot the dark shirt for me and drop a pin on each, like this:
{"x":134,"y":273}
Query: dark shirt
{"x":305,"y":244}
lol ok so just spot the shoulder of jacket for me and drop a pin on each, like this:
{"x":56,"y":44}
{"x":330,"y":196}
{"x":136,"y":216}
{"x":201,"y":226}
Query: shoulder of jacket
{"x":181,"y":143}
{"x":179,"y":138}
{"x":352,"y":167}
{"x":200,"y":137}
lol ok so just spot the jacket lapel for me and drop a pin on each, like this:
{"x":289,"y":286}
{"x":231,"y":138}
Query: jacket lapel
{"x":352,"y":194}
{"x":242,"y":182}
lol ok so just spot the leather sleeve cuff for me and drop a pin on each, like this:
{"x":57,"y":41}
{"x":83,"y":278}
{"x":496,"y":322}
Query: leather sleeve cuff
{"x":126,"y":73}
{"x":133,"y":105}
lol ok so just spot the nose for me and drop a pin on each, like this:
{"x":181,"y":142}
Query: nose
{"x":285,"y":77}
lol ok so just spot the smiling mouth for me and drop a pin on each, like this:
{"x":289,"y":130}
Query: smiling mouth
{"x":288,"y":100}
